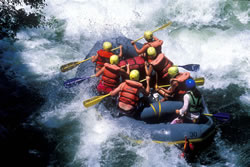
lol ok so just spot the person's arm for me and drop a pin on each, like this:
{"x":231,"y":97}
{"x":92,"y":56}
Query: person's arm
{"x":184,"y":108}
{"x":148,"y":70}
{"x":128,"y":69}
{"x":168,"y":92}
{"x":157,"y":42}
{"x":142,"y":50}
{"x":147,"y":90}
{"x":117,"y":90}
{"x":120,"y":54}
{"x":94,"y":58}
{"x":124,"y":73}
{"x":100,"y":72}
{"x":155,"y":38}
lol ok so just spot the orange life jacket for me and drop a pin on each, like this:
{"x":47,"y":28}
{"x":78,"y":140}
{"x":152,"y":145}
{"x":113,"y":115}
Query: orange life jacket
{"x":155,"y":45}
{"x":161,"y":65}
{"x":110,"y":75}
{"x":103,"y":57}
{"x":135,"y":63}
{"x":181,"y":89}
{"x":130,"y":92}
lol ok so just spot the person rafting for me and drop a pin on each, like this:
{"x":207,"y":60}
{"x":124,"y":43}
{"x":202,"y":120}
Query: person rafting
{"x":111,"y":75}
{"x":103,"y":55}
{"x":152,"y":41}
{"x":129,"y":102}
{"x":177,"y":87}
{"x":160,"y":63}
{"x":192,"y":104}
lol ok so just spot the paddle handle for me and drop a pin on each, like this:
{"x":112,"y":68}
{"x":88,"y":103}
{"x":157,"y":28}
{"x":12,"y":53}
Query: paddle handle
{"x":162,"y":86}
{"x":208,"y":115}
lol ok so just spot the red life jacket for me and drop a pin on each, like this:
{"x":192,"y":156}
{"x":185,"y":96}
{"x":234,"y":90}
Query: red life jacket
{"x":135,"y":63}
{"x":110,"y":75}
{"x":130,"y":92}
{"x":103,"y":57}
{"x":181,"y":89}
{"x":161,"y":65}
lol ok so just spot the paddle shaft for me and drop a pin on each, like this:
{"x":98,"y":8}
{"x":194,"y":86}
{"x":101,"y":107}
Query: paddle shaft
{"x":160,"y":28}
{"x":198,"y":81}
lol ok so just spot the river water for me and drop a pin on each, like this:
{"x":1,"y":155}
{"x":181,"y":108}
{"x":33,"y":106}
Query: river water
{"x":212,"y":33}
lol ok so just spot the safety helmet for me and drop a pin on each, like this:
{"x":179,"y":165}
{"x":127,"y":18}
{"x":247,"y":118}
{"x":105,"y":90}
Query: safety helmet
{"x":134,"y":75}
{"x":148,"y":35}
{"x":173,"y":71}
{"x":107,"y":46}
{"x":114,"y":59}
{"x":151,"y":51}
{"x":190,"y":84}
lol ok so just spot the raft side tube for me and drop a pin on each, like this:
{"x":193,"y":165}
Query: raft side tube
{"x":160,"y":111}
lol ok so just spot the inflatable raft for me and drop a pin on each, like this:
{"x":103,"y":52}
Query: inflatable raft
{"x":155,"y":119}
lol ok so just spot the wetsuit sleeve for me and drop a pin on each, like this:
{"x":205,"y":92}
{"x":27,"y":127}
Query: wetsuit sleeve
{"x":185,"y":105}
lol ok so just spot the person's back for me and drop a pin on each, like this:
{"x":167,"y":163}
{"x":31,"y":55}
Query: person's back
{"x":159,"y":63}
{"x":152,"y":41}
{"x":177,"y":87}
{"x":110,"y":75}
{"x":129,"y":94}
{"x":103,"y":55}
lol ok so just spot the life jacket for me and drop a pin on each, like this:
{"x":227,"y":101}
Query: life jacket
{"x":195,"y":103}
{"x":130,"y":92}
{"x":161,"y":64}
{"x":181,"y":89}
{"x":103,"y":57}
{"x":156,"y":45}
{"x":110,"y":75}
{"x":135,"y":63}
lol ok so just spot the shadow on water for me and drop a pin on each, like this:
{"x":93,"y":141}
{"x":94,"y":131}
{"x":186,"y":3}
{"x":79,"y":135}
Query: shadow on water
{"x":21,"y":142}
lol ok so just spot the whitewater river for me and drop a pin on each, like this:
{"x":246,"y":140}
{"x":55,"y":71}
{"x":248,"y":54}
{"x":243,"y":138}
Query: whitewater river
{"x":212,"y":33}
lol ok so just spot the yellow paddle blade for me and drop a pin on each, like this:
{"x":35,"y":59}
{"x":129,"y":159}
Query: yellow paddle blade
{"x":71,"y":65}
{"x":198,"y":81}
{"x":160,"y":28}
{"x":94,"y":100}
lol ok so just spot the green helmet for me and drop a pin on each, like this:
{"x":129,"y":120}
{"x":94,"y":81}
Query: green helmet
{"x":107,"y":46}
{"x":151,"y":51}
{"x":114,"y":59}
{"x":134,"y":75}
{"x":148,"y":35}
{"x":173,"y":71}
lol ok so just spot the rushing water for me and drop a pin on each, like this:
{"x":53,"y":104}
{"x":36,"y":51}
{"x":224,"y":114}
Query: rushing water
{"x":212,"y":33}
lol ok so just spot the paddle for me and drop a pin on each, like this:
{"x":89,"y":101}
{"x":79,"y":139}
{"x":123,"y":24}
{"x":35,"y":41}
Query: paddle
{"x":220,"y":116}
{"x":94,"y":100}
{"x":160,"y":28}
{"x":75,"y":81}
{"x":191,"y":67}
{"x":198,"y":81}
{"x":72,"y":65}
